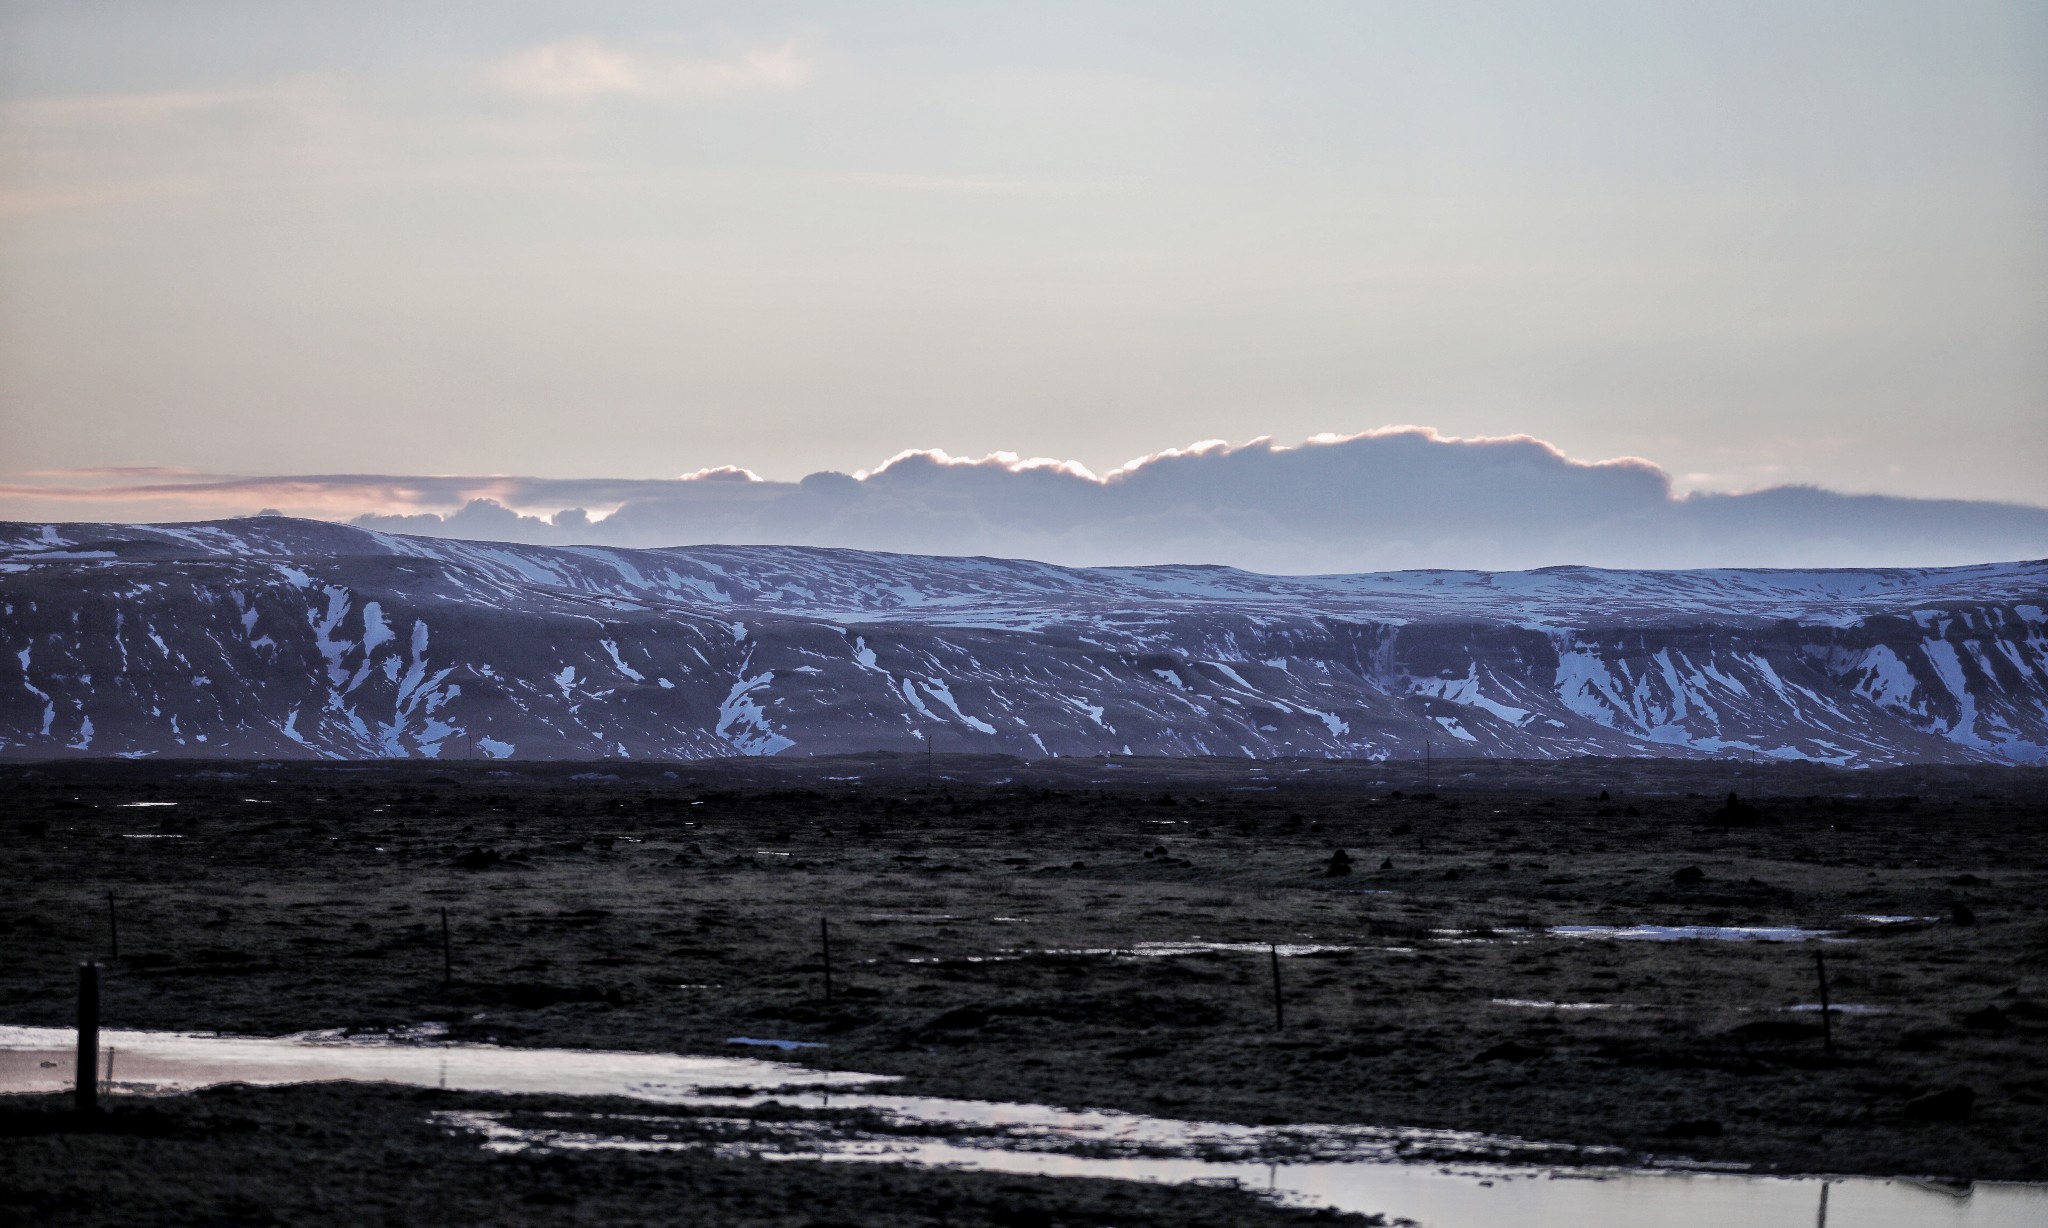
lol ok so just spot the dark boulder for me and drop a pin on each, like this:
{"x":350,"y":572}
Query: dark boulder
{"x":1988,"y":1019}
{"x":481,"y":859}
{"x":1775,"y":1031}
{"x":960,"y":1019}
{"x":1736,"y":813}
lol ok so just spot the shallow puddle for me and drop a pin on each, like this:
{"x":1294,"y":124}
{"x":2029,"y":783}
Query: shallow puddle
{"x":1137,"y":950}
{"x":40,"y":1060}
{"x":1362,"y":1168}
{"x":787,"y":1046}
{"x":1681,"y":933}
{"x":1159,"y":950}
{"x":1461,"y":1195}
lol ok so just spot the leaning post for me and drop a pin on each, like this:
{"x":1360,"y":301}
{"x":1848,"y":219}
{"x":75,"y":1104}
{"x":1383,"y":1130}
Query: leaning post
{"x":825,"y":946}
{"x":1279,"y":1009}
{"x":86,"y":1093}
{"x":1827,"y":1024}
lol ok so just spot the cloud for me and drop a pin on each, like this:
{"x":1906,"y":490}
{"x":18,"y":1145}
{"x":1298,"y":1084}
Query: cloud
{"x":70,"y":154}
{"x":967,"y":185}
{"x":722,"y":473}
{"x":120,"y":473}
{"x":178,"y":493}
{"x":581,"y":68}
{"x":1007,"y":462}
{"x":1399,"y":497}
{"x":123,"y":110}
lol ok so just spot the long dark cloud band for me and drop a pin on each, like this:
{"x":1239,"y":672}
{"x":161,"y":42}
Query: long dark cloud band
{"x":1388,"y":499}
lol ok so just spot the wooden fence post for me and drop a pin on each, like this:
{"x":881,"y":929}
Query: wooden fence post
{"x":1827,"y":1023}
{"x":86,"y":1094}
{"x":825,"y":945}
{"x":1279,"y":1009}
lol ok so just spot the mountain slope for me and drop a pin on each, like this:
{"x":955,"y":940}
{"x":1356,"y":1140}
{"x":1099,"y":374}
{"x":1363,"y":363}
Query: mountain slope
{"x":271,"y":637}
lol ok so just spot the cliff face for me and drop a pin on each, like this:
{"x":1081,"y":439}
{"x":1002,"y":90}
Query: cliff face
{"x":271,"y":637}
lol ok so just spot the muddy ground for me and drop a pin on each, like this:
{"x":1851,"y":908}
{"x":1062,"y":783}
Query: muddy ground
{"x":976,"y":905}
{"x":344,"y":1155}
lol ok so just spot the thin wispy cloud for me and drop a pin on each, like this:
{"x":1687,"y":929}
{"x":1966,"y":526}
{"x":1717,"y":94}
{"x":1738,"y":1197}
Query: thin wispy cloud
{"x":343,"y":129}
{"x":966,"y":185}
{"x":121,"y":110}
{"x":161,"y":493}
{"x":21,"y":203}
{"x":75,"y":153}
{"x":581,"y":68}
{"x":121,"y":473}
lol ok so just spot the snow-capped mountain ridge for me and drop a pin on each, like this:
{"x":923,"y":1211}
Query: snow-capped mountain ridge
{"x":268,"y":636}
{"x":822,"y":581}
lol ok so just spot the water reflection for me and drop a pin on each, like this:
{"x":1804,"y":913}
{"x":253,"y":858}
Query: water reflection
{"x":1493,"y":1181}
{"x":1436,"y":1195}
{"x":1703,"y":933}
{"x":183,"y":1061}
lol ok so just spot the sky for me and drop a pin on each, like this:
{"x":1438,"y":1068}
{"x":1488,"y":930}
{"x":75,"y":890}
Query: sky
{"x":1754,"y":244}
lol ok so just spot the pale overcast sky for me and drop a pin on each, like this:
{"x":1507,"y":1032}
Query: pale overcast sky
{"x":1756,"y":243}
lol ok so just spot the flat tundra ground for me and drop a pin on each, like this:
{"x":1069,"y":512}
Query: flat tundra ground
{"x":990,"y":923}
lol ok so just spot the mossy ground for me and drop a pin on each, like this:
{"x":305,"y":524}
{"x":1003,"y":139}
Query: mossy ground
{"x":637,"y":909}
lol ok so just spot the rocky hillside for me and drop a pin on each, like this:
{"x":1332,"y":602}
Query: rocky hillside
{"x":270,"y":637}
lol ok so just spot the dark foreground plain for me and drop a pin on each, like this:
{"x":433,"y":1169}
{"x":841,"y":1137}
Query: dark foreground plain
{"x":670,"y":907}
{"x":360,"y":1154}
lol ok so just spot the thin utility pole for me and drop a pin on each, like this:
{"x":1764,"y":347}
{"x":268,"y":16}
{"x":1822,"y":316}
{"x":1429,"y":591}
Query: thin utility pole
{"x":447,"y":952}
{"x":1428,"y":768}
{"x":113,"y":929}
